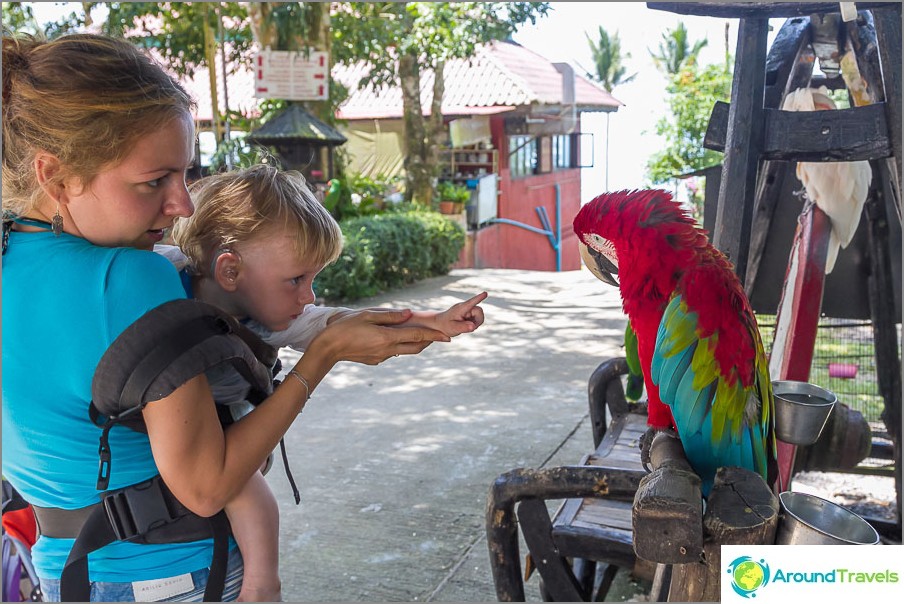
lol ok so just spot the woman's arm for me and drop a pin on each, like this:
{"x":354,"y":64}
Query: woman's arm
{"x":205,"y":466}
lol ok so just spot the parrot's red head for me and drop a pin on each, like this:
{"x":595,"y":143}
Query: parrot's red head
{"x":616,"y":225}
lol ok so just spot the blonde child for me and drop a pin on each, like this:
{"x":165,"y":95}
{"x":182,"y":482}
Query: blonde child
{"x":255,"y":243}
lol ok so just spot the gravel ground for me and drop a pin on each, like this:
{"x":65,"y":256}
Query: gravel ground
{"x":868,"y":496}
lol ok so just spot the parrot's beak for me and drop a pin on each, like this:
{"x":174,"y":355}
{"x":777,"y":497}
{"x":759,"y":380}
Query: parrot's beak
{"x":599,"y":265}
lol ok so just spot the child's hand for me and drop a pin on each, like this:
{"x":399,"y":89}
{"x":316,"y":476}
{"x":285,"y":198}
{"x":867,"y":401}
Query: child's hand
{"x":463,"y":317}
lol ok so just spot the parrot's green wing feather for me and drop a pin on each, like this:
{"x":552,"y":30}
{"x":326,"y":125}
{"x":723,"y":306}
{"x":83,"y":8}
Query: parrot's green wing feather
{"x":634,"y":385}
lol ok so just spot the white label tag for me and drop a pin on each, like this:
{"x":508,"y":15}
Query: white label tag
{"x":159,"y":589}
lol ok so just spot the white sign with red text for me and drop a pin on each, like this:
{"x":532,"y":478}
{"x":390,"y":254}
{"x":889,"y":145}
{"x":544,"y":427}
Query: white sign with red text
{"x":292,"y":75}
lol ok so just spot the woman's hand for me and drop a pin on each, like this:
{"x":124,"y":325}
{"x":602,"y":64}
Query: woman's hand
{"x":372,"y":336}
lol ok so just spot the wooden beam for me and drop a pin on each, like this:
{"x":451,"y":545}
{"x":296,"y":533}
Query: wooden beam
{"x":763,"y":10}
{"x":888,"y":33}
{"x":882,"y":310}
{"x":789,"y":66}
{"x":743,"y":146}
{"x":667,"y":516}
{"x":741,"y":510}
{"x":859,"y":133}
{"x":797,"y":318}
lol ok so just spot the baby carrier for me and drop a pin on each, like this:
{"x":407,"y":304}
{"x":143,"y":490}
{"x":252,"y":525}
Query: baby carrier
{"x":154,"y":356}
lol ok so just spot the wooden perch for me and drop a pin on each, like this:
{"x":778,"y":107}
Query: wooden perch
{"x":667,"y":516}
{"x":741,"y":510}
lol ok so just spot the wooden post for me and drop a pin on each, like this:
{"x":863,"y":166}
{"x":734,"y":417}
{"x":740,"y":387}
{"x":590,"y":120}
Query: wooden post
{"x":741,"y":510}
{"x":797,"y":318}
{"x":667,"y":515}
{"x":743,"y":145}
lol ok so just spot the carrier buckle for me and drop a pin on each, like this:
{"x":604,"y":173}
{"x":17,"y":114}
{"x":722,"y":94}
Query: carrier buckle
{"x":137,"y":509}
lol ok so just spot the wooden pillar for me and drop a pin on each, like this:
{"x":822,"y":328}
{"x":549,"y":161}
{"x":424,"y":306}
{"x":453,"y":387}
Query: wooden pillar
{"x":741,"y":510}
{"x":882,"y":311}
{"x":888,"y":33}
{"x":789,"y":66}
{"x":797,"y":318}
{"x":743,"y":145}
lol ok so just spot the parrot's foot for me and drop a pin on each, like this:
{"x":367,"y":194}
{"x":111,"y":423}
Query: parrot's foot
{"x":646,"y":442}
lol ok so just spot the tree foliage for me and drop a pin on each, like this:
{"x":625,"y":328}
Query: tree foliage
{"x":692,"y":93}
{"x":18,"y":17}
{"x":176,"y":30}
{"x":607,"y":61}
{"x":675,"y":50}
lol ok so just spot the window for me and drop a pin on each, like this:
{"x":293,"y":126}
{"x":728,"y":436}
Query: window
{"x":561,"y":152}
{"x":522,"y":155}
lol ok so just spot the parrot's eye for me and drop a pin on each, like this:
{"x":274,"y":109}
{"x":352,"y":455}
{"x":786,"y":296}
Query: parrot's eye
{"x":604,"y":247}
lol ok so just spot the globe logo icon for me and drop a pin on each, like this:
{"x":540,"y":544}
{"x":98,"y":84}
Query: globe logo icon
{"x":748,"y":575}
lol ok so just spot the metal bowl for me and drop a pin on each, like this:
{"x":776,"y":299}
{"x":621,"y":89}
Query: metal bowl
{"x":801,"y":411}
{"x":811,"y":520}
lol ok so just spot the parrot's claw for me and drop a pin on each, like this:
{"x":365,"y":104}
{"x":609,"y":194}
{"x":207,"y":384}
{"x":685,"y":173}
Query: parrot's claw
{"x":646,"y":442}
{"x":646,"y":439}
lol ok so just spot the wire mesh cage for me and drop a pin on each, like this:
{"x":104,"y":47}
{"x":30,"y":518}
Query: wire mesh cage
{"x":844,"y":362}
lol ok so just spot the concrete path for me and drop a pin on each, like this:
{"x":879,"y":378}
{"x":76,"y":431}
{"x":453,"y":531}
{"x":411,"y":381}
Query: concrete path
{"x":394,"y":462}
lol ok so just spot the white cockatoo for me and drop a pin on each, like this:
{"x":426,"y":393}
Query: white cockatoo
{"x":838,"y":188}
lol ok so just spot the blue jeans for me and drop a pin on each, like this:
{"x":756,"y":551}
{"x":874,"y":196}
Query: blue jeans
{"x":122,"y":592}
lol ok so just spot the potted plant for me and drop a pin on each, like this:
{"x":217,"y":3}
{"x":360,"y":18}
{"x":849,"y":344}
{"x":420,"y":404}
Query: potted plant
{"x":452,"y":197}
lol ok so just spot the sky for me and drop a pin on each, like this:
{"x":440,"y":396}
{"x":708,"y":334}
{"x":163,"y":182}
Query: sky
{"x":561,"y":36}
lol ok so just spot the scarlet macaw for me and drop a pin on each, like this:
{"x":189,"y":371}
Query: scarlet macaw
{"x":705,"y":370}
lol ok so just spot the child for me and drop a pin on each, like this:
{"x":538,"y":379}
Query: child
{"x":255,"y":243}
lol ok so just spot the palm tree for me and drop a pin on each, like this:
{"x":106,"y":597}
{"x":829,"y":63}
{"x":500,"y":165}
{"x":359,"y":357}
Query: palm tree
{"x":675,"y":50}
{"x":608,"y":71}
{"x":607,"y":61}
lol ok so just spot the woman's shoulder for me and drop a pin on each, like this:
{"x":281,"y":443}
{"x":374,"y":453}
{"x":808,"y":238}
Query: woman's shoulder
{"x":139,"y":280}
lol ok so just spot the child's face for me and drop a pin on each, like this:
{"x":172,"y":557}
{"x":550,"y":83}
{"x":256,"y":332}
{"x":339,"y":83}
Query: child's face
{"x":274,"y":283}
{"x":131,"y":203}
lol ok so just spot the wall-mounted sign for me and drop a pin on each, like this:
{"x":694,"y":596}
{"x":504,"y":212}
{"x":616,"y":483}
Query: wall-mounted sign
{"x":291,"y":75}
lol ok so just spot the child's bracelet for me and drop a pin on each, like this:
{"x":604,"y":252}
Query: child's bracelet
{"x":307,"y":387}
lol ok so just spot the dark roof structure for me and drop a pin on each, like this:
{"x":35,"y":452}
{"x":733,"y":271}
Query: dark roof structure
{"x":296,"y":124}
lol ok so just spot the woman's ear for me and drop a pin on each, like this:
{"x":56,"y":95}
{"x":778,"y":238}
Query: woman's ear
{"x":48,"y":172}
{"x":226,"y":269}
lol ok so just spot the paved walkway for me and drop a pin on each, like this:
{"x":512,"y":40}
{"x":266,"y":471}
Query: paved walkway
{"x":394,"y":462}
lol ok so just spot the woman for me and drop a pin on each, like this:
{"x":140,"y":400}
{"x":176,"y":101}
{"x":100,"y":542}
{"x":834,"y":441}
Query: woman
{"x":96,"y":143}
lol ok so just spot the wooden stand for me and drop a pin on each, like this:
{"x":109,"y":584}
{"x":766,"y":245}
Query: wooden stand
{"x":761,"y":142}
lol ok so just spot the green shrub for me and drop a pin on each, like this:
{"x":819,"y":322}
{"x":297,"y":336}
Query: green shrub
{"x":385,"y":251}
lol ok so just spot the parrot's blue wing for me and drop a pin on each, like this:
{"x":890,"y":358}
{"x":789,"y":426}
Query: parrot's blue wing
{"x":720,"y":423}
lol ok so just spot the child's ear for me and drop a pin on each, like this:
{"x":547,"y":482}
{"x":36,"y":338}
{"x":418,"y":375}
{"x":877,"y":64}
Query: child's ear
{"x":226,"y":270}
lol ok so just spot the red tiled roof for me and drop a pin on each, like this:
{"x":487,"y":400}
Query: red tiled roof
{"x":500,"y":77}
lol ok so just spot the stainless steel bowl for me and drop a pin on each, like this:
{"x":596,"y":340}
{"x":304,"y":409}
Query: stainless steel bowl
{"x":801,"y":411}
{"x":811,"y":520}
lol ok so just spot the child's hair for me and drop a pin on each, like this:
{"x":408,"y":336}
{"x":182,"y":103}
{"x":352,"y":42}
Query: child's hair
{"x":236,"y":207}
{"x":84,"y":98}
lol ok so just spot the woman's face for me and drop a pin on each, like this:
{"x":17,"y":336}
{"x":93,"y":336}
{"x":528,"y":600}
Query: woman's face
{"x":129,"y":204}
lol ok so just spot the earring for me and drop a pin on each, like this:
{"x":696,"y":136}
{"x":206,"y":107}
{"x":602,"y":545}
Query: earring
{"x":56,"y":224}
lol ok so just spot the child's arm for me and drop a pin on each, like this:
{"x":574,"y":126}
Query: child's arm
{"x":460,"y":318}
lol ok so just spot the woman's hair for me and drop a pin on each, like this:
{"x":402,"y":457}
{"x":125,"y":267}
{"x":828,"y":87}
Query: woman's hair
{"x":241,"y":206}
{"x":83,"y":98}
